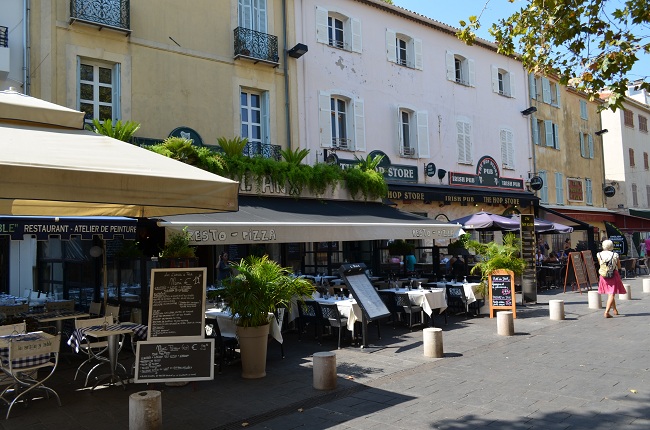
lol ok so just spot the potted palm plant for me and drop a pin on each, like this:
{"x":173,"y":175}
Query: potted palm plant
{"x":259,"y":288}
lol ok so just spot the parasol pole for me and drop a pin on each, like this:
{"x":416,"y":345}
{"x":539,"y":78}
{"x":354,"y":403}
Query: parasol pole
{"x":105,"y":274}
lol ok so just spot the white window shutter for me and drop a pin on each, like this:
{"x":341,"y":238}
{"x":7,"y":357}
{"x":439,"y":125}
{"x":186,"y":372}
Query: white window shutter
{"x":532,"y":86}
{"x":548,"y":131}
{"x":495,"y":79}
{"x":583,"y":153}
{"x":417,"y":53}
{"x":556,"y":136}
{"x":460,"y":141}
{"x":546,"y":90}
{"x":511,"y":78}
{"x":472,"y":73}
{"x":422,"y":119}
{"x":590,"y":145}
{"x":451,"y":68}
{"x":559,"y":188}
{"x":266,"y":120}
{"x":391,"y":45}
{"x":321,"y":25}
{"x":535,"y":129}
{"x":504,"y":147}
{"x":400,"y":139}
{"x":325,"y":119}
{"x":543,"y":193}
{"x":557,"y":94}
{"x":356,"y":35}
{"x":359,"y":126}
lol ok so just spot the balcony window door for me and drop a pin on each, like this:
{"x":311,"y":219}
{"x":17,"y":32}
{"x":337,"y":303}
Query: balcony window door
{"x":252,"y":16}
{"x":254,"y":120}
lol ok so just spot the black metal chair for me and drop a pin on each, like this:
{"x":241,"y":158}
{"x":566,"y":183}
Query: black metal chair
{"x":456,"y":300}
{"x":403,"y":301}
{"x":309,"y":312}
{"x":388,"y":297}
{"x":224,"y":346}
{"x":332,"y":318}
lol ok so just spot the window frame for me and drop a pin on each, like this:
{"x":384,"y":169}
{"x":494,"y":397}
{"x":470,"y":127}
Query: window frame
{"x":352,"y":37}
{"x":264,"y":123}
{"x":630,"y":153}
{"x":410,"y":55}
{"x":459,"y":63}
{"x":503,"y":82}
{"x":589,"y":192}
{"x":507,"y":148}
{"x":643,"y":123}
{"x":355,"y":120}
{"x":96,"y":103}
{"x":635,"y":196}
{"x":333,"y":32}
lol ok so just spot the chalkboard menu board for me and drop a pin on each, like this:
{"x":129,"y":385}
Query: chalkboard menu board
{"x":576,"y":273}
{"x":502,"y":291}
{"x":175,"y":360}
{"x":362,"y":290}
{"x":177,"y":302}
{"x":591,"y":268}
{"x":529,"y":276}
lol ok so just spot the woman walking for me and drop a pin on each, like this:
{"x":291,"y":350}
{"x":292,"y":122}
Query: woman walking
{"x":613,"y":284}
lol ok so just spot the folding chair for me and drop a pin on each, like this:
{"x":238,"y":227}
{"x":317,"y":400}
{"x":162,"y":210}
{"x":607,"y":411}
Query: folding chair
{"x":332,"y":317}
{"x":22,"y":366}
{"x":95,"y":350}
{"x":114,"y":311}
{"x":224,"y":345}
{"x":9,"y":329}
{"x":95,"y":309}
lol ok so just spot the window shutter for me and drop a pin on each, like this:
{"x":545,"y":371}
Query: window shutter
{"x":359,"y":126}
{"x":548,"y":131}
{"x":559,"y":188}
{"x":556,"y":136}
{"x":266,"y":123}
{"x":468,"y":142}
{"x":451,"y":69}
{"x":117,"y":91}
{"x":495,"y":79}
{"x":400,"y":140}
{"x":472,"y":73}
{"x":588,"y":192}
{"x":504,"y":148}
{"x":546,"y":91}
{"x":417,"y":51}
{"x":532,"y":87}
{"x":356,"y":35}
{"x":583,"y":109}
{"x":391,"y":45}
{"x":543,"y":194}
{"x":583,"y":152}
{"x":511,"y":78}
{"x":590,"y":145}
{"x":510,"y":146}
{"x":321,"y":25}
{"x":535,"y":128}
{"x":460,"y":141}
{"x":557,"y":94}
{"x":324,"y":120}
{"x":422,"y":119}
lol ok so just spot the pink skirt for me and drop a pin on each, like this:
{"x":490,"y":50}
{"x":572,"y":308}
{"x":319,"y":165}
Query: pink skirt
{"x":613,"y":285}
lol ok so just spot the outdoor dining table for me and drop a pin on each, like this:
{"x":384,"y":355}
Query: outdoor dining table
{"x":429,"y":299}
{"x":348,"y":308}
{"x":33,"y":360}
{"x":469,"y":287}
{"x":228,"y":326}
{"x":56,"y":317}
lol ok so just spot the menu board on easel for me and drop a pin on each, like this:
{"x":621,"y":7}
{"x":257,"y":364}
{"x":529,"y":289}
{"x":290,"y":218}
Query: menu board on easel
{"x":591,"y":268}
{"x":576,"y":273}
{"x":501,"y":290}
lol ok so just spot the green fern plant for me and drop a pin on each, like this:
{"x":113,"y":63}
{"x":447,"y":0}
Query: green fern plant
{"x":178,"y":246}
{"x":234,"y":147}
{"x":494,"y":256}
{"x":294,"y":157}
{"x":123,"y":131}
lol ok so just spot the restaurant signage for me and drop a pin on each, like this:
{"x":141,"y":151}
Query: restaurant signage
{"x":65,"y":227}
{"x":174,"y":360}
{"x":536,"y":183}
{"x":501,"y":291}
{"x":487,"y":175}
{"x":391,"y":172}
{"x":528,"y":278}
{"x":430,"y":170}
{"x":187,"y":133}
{"x":609,"y":191}
{"x":575,"y":189}
{"x":450,"y":197}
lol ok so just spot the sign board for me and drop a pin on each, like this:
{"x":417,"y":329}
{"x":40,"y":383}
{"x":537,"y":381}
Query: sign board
{"x":529,"y":276}
{"x":362,"y":290}
{"x":501,"y":291}
{"x":175,"y":360}
{"x":536,"y":183}
{"x":430,"y":170}
{"x":591,"y":268}
{"x":576,"y":273}
{"x":177,"y":303}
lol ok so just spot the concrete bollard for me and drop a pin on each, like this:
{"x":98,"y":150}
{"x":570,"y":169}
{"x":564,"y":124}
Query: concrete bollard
{"x":432,"y":340}
{"x":628,"y":294}
{"x":646,"y":285}
{"x":145,"y":410}
{"x":594,"y":300}
{"x":505,"y":323}
{"x":325,"y":370}
{"x":556,"y":309}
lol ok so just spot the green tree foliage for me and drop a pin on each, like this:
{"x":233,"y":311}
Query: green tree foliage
{"x":182,"y":149}
{"x":494,"y":256}
{"x":119,"y":130}
{"x":590,"y":45}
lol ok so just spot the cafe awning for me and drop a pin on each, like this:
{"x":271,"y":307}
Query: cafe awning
{"x":286,"y":220}
{"x":45,"y":227}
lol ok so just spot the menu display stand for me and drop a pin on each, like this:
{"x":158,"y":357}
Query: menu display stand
{"x":576,"y":273}
{"x":501,"y":291}
{"x":591,"y":268}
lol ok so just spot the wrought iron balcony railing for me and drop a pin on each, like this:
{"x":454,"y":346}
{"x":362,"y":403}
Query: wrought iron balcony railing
{"x":265,"y":150}
{"x":4,"y":38}
{"x":256,"y":46}
{"x":115,"y":14}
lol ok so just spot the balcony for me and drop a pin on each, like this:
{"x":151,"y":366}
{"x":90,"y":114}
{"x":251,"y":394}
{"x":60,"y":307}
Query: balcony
{"x":4,"y":38}
{"x":114,"y":14}
{"x":264,"y":150}
{"x":5,"y":62}
{"x":255,"y":46}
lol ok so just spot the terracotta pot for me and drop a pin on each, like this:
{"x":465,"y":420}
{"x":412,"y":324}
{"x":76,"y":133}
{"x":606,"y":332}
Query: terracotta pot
{"x":252,"y":344}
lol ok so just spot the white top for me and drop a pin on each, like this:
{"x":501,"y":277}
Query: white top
{"x":605,"y":256}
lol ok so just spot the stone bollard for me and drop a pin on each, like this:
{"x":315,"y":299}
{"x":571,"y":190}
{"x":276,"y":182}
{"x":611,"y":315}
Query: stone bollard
{"x":145,"y":410}
{"x":628,"y":294}
{"x":646,"y":285}
{"x":556,"y":309}
{"x":594,"y":300}
{"x":325,"y":370}
{"x":432,"y":339}
{"x":505,"y":323}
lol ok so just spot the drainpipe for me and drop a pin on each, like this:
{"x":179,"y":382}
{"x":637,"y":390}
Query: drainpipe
{"x":26,"y":47}
{"x":287,"y":113}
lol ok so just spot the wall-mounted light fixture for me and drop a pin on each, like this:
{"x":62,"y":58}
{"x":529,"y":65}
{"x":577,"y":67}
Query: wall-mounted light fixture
{"x":298,"y":51}
{"x":601,"y":132}
{"x":529,"y":111}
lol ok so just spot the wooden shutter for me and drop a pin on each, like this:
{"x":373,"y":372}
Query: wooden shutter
{"x":451,"y":68}
{"x":325,"y":120}
{"x":535,"y":129}
{"x":417,"y":53}
{"x":321,"y":25}
{"x":391,"y":45}
{"x":355,"y":26}
{"x":359,"y":126}
{"x":546,"y":90}
{"x":472,"y":73}
{"x":422,"y":119}
{"x":495,"y":79}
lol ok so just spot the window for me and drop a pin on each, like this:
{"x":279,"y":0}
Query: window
{"x":464,"y":140}
{"x":98,"y":90}
{"x":541,"y":86}
{"x":413,"y":133}
{"x":628,"y":118}
{"x":583,"y":109}
{"x":507,"y":149}
{"x":631,"y":154}
{"x":252,"y":15}
{"x":645,"y":161}
{"x":551,"y":134}
{"x":403,"y":49}
{"x":543,"y":192}
{"x":341,"y":122}
{"x":502,"y":82}
{"x":586,"y":145}
{"x":589,"y":199}
{"x":338,"y":30}
{"x":635,"y":198}
{"x":559,"y":188}
{"x":254,"y":112}
{"x":460,"y":69}
{"x":643,"y":124}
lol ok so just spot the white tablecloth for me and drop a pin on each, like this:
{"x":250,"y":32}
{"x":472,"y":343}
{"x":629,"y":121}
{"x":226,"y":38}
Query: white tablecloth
{"x":228,"y":328}
{"x":470,"y":292}
{"x":428,"y":299}
{"x":348,"y":308}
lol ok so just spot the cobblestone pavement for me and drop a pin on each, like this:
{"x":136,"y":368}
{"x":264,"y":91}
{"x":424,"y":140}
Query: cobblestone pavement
{"x":585,"y":372}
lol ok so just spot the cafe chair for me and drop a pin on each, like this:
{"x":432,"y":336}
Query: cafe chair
{"x":388,"y":297}
{"x":12,"y":310}
{"x":456,"y":300}
{"x":114,"y":311}
{"x":224,"y":346}
{"x":309,"y":313}
{"x":403,"y":301}
{"x":22,"y":366}
{"x":95,"y":351}
{"x":641,"y":265}
{"x":95,"y":309}
{"x":279,"y":314}
{"x":9,"y":329}
{"x":332,"y":318}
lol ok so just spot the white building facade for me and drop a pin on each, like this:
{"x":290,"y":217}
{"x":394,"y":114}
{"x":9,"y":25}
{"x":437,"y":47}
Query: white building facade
{"x":13,"y":35}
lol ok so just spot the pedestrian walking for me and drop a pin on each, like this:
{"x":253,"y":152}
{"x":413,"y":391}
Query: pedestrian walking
{"x":610,"y":282}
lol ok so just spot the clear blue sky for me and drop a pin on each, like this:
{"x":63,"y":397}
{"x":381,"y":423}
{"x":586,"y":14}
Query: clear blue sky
{"x":452,"y":11}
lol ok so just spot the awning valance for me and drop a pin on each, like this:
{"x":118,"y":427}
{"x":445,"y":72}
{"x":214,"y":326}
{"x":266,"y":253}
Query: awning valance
{"x":43,"y":227}
{"x":284,"y":220}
